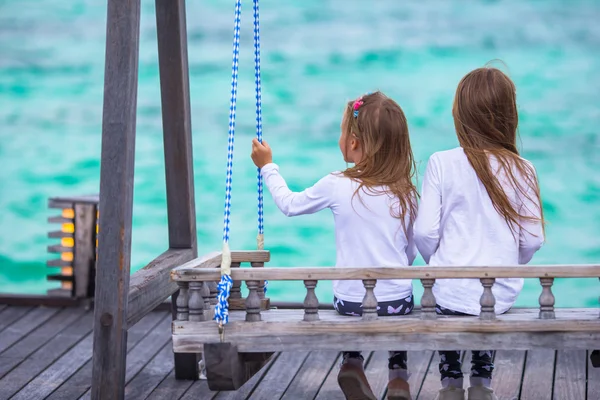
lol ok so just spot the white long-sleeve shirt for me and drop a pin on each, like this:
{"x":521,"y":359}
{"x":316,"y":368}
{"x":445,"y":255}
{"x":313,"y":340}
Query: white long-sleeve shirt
{"x":457,"y":225}
{"x":366,"y":233}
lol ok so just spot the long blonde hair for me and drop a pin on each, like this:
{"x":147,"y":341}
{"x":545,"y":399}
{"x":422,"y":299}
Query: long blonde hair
{"x":387,"y":164}
{"x":486,"y":119}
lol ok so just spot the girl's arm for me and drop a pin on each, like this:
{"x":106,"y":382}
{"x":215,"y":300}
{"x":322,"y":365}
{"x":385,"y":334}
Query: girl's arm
{"x":311,"y":200}
{"x":411,"y":248}
{"x":427,"y":225}
{"x":531,"y":236}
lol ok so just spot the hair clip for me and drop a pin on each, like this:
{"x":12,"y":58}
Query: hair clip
{"x":359,"y":102}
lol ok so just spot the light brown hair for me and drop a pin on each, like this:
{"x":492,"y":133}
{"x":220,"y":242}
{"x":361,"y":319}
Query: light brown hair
{"x":387,"y":164}
{"x":486,"y":119}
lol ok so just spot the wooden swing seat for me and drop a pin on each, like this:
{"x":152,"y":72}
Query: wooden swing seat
{"x":260,"y":331}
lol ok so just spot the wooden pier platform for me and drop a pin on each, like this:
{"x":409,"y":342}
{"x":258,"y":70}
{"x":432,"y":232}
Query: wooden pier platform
{"x":45,"y":353}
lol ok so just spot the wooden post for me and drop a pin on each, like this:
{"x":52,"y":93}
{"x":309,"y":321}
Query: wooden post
{"x":369,"y":301}
{"x":252,"y":302}
{"x":116,"y":199}
{"x":428,"y":300}
{"x":85,"y":248}
{"x":196,"y":302}
{"x":177,"y":138}
{"x":487,"y":300}
{"x":182,"y":302}
{"x":546,"y":299}
{"x":311,"y":302}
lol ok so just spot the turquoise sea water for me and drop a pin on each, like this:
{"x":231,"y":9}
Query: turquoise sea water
{"x":316,"y":55}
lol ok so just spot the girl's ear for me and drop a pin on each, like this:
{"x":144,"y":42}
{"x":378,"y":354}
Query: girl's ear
{"x":354,"y":142}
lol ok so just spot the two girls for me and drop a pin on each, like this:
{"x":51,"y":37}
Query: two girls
{"x":480,"y":205}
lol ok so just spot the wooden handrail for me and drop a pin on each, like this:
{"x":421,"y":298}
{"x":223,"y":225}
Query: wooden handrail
{"x":188,"y":273}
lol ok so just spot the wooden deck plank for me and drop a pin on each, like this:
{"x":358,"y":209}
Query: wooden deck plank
{"x":418,"y":364}
{"x":2,"y":307}
{"x":508,"y":372}
{"x":12,"y":314}
{"x":151,"y":375}
{"x":17,"y":353}
{"x":43,"y":357}
{"x":80,"y":382}
{"x":51,"y":378}
{"x":246,"y":391}
{"x":330,"y":390}
{"x":171,"y":388}
{"x":309,"y":378}
{"x":539,"y":371}
{"x":570,"y":375}
{"x":198,"y":390}
{"x":593,"y":380}
{"x":431,"y":382}
{"x":377,"y":373}
{"x":282,"y":372}
{"x":25,"y":325}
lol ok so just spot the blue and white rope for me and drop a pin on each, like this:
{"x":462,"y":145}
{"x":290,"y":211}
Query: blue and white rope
{"x":261,"y":228}
{"x":224,"y":287}
{"x":258,"y":112}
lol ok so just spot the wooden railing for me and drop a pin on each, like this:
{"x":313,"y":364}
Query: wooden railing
{"x":193,"y":278}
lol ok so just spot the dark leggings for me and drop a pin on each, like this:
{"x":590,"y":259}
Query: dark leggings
{"x":450,"y":365}
{"x":397,"y":359}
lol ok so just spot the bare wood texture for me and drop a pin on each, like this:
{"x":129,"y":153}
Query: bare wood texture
{"x":284,"y":330}
{"x":308,"y":380}
{"x":116,"y":198}
{"x":171,"y":388}
{"x":418,"y":364}
{"x":311,"y":303}
{"x":593,"y":380}
{"x":252,"y":302}
{"x":487,"y":301}
{"x":12,"y":314}
{"x":78,"y":384}
{"x":508,"y":373}
{"x":177,"y":125}
{"x":151,"y":374}
{"x":337,"y":273}
{"x":283,"y":371}
{"x":151,"y":285}
{"x":85,"y":249}
{"x":330,"y":389}
{"x":245,"y":392}
{"x":539,"y":371}
{"x":570,"y":375}
{"x":369,"y":301}
{"x":428,"y":300}
{"x":376,"y":372}
{"x":213,"y":260}
{"x":25,"y":325}
{"x":28,"y":344}
{"x":546,"y":299}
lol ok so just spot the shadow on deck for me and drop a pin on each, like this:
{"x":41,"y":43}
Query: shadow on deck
{"x":45,"y":353}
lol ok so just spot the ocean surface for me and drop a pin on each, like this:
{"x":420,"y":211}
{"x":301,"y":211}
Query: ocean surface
{"x":316,"y":55}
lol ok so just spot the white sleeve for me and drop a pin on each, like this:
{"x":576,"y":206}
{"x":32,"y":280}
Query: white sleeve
{"x":531,"y":236}
{"x":427,"y":224}
{"x":411,"y":248}
{"x":309,"y":201}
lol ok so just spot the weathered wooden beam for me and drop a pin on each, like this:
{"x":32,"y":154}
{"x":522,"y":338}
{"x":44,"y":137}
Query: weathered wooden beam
{"x":213,"y":260}
{"x":177,"y":125}
{"x":285,"y":330}
{"x":116,"y":199}
{"x":177,"y":138}
{"x":151,"y":285}
{"x":333,"y":273}
{"x":411,"y":341}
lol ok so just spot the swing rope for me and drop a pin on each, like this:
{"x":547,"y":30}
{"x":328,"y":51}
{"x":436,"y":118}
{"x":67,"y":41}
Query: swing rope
{"x":224,"y":286}
{"x":260,"y":240}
